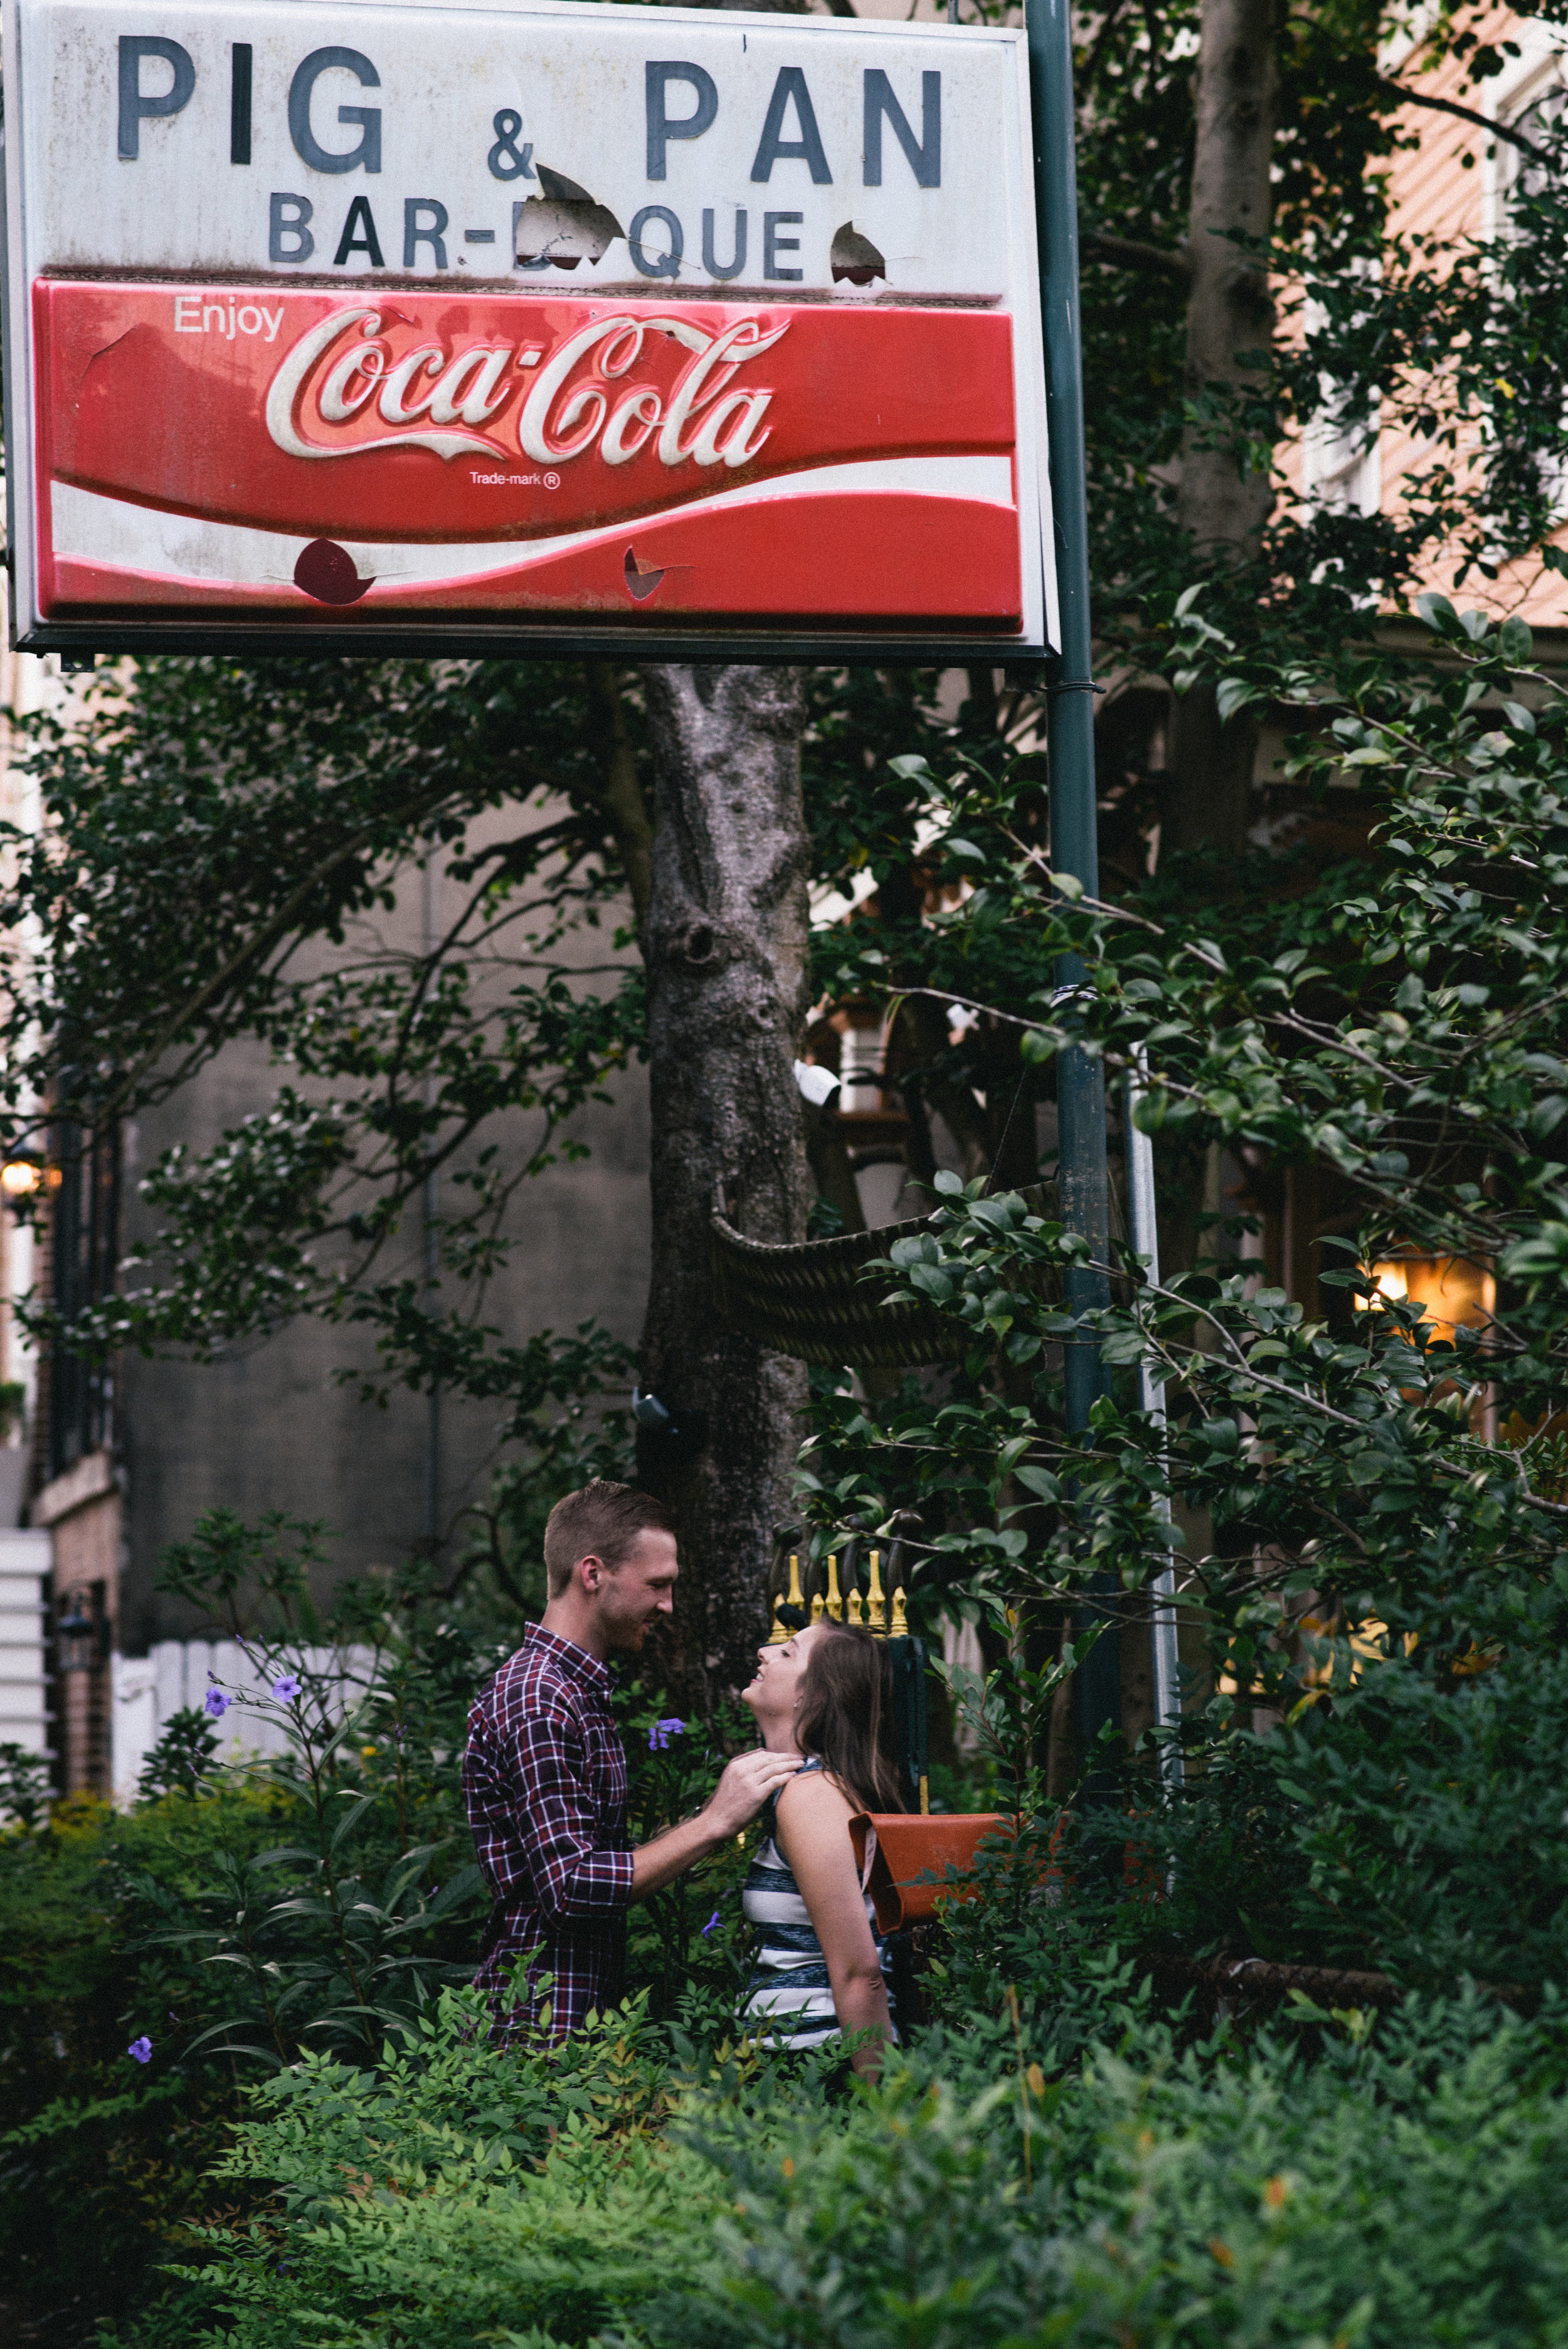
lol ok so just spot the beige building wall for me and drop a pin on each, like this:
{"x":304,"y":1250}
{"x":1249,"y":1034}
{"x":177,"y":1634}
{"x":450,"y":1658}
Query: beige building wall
{"x":1448,"y":186}
{"x":272,"y":1425}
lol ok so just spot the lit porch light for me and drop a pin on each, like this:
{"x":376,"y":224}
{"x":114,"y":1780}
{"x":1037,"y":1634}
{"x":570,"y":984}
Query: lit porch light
{"x":21,"y":1178}
{"x":1456,"y":1292}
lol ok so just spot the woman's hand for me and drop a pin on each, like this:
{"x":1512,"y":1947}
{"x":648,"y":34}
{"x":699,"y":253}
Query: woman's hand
{"x":814,"y":1836}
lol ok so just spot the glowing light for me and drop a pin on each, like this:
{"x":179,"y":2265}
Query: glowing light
{"x":1456,"y":1293}
{"x":21,"y":1178}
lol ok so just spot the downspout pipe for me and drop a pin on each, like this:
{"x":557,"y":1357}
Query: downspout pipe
{"x":1145,"y":1234}
{"x":1082,"y":1178}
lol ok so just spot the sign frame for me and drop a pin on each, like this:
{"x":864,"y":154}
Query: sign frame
{"x":422,"y":632}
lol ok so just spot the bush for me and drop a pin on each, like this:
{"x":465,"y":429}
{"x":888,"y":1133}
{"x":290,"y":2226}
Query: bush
{"x":103,"y":2157}
{"x":1408,"y":2187}
{"x":243,"y":1918}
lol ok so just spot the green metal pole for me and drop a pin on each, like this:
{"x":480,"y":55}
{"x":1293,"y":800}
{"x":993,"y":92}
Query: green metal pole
{"x":1080,"y":1081}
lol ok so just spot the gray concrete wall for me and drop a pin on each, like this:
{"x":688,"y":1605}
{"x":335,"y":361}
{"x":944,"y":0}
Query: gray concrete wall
{"x":269,"y":1426}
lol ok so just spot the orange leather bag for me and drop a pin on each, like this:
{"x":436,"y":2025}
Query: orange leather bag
{"x":892,"y":1848}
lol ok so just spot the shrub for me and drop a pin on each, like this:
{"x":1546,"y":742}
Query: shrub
{"x":240,"y":1918}
{"x":1408,"y":2187}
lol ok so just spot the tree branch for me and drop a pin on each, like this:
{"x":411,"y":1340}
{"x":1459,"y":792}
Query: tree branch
{"x":1096,"y":55}
{"x":276,"y":926}
{"x":1130,"y":253}
{"x":1464,"y":114}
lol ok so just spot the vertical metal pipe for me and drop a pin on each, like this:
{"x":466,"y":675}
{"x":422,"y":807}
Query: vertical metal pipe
{"x":1145,"y":1231}
{"x":1080,"y":1085}
{"x":1075,"y":849}
{"x":429,"y":913}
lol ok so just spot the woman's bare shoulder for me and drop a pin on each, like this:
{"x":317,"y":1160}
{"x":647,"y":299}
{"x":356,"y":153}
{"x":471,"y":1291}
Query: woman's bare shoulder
{"x":814,"y":1795}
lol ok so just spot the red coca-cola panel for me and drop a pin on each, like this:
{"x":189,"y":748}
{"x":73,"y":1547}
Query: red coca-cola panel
{"x":345,"y":452}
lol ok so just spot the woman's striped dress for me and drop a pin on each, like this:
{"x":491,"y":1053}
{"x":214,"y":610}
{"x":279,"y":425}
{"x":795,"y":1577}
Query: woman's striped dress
{"x":789,"y":1990}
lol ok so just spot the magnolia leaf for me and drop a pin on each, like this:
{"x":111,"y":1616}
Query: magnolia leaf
{"x":918,"y":1247}
{"x":1040,"y":1481}
{"x":931,"y":1281}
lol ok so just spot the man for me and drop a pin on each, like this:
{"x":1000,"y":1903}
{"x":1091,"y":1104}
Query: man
{"x":544,"y":1776}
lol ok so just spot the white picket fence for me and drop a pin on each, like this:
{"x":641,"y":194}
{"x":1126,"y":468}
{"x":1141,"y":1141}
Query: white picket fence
{"x":24,"y":1567}
{"x":179,"y":1672}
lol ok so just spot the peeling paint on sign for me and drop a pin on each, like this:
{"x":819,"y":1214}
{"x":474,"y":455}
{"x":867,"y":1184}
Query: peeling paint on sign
{"x":394,"y":321}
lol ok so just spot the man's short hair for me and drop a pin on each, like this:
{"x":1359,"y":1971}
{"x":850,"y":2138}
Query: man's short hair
{"x":602,"y":1520}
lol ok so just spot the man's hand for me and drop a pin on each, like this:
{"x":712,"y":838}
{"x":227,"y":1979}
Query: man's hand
{"x":746,"y":1785}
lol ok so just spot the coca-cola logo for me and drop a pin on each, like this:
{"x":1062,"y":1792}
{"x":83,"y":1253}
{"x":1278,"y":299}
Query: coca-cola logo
{"x":351,"y":370}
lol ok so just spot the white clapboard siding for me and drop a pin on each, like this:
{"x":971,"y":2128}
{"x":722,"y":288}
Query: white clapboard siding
{"x":178,"y":1673}
{"x":25,"y":1559}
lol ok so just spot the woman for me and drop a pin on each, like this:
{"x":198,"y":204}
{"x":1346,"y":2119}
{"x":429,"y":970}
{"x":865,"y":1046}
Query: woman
{"x":821,"y":1967}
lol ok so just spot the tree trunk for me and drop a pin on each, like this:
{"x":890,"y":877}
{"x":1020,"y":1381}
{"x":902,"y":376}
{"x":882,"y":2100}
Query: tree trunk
{"x":919,"y":1039}
{"x":1223,"y":500}
{"x":724,"y":942}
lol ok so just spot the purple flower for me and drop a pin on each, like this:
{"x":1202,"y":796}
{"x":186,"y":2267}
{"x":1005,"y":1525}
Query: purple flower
{"x":287,"y":1689}
{"x":662,"y":1732}
{"x":711,"y":1925}
{"x":140,"y":2049}
{"x":216,"y":1704}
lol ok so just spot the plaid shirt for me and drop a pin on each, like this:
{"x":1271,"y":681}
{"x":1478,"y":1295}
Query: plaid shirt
{"x":544,"y":1778}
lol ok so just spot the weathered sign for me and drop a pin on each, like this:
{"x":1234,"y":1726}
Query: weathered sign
{"x":506,"y":327}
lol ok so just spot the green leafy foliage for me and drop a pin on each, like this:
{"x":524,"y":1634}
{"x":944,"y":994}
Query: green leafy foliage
{"x":1365,"y":1511}
{"x":201,"y":823}
{"x":247,"y":1920}
{"x":1090,"y":2179}
{"x":24,"y":1783}
{"x":180,"y":1761}
{"x":1365,"y":1508}
{"x":102,"y":2158}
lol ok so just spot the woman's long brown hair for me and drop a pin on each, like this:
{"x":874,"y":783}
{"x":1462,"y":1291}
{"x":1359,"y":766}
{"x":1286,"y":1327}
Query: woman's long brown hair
{"x":846,"y":1715}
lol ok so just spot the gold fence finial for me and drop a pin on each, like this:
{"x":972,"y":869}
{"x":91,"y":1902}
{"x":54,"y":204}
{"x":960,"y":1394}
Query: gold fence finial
{"x":899,"y":1621}
{"x":782,"y":1631}
{"x":876,"y":1604}
{"x":855,"y":1610}
{"x":833,"y":1603}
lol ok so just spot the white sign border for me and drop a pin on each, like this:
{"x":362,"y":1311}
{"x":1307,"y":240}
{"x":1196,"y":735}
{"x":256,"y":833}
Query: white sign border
{"x":467,"y":635}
